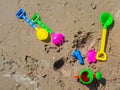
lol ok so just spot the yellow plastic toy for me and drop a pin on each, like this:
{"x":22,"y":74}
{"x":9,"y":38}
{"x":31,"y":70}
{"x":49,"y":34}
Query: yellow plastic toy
{"x":41,"y":34}
{"x":106,"y":19}
{"x":101,"y":55}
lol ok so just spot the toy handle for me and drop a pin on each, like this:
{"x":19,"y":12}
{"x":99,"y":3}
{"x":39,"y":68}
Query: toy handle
{"x":22,"y":15}
{"x":103,"y":41}
{"x":36,"y":19}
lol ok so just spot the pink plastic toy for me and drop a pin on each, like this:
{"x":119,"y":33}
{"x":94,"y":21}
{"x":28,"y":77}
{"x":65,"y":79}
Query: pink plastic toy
{"x":91,"y":56}
{"x":57,"y":39}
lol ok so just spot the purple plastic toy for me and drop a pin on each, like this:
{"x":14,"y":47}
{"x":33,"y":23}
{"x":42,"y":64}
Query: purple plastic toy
{"x":57,"y":39}
{"x":91,"y":56}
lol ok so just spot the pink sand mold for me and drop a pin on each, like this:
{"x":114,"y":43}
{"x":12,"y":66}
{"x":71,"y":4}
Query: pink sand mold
{"x":91,"y":56}
{"x":57,"y":39}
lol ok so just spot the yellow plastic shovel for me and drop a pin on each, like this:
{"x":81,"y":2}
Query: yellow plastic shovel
{"x":106,"y":20}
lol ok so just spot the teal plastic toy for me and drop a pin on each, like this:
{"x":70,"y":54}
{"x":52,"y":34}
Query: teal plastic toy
{"x":76,"y":54}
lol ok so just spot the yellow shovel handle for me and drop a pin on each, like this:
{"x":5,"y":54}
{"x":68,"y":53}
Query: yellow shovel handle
{"x":103,"y":41}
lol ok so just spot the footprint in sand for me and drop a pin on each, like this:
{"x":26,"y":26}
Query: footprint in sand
{"x":93,"y":67}
{"x":48,"y":48}
{"x":60,"y":82}
{"x":82,"y":39}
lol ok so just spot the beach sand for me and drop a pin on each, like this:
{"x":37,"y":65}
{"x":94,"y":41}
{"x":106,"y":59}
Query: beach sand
{"x":29,"y":64}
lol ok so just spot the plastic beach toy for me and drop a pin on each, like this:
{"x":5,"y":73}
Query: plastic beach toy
{"x":41,"y":33}
{"x":91,"y":56}
{"x":57,"y":39}
{"x":86,"y":76}
{"x":106,"y":20}
{"x":76,"y":54}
